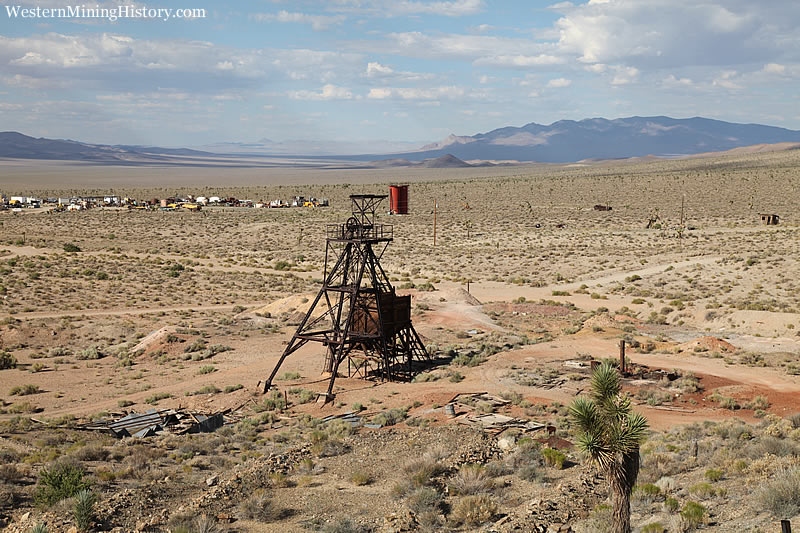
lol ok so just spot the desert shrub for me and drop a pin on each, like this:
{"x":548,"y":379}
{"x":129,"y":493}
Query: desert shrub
{"x":692,"y":515}
{"x":758,"y":403}
{"x":772,"y":446}
{"x":781,"y":493}
{"x":474,"y":510}
{"x":554,"y":458}
{"x":671,"y":505}
{"x":91,"y":452}
{"x":360,"y":478}
{"x":714,"y":474}
{"x":390,"y":417}
{"x":526,"y":461}
{"x":465,"y":359}
{"x":646,"y":492}
{"x":424,"y":499}
{"x":7,"y":360}
{"x":338,"y":428}
{"x":423,"y":469}
{"x":157,"y":397}
{"x":196,"y":346}
{"x":702,"y":490}
{"x":260,"y":506}
{"x":330,"y":448}
{"x":10,"y":473}
{"x":24,"y":390}
{"x":83,"y":510}
{"x":71,"y":247}
{"x":471,"y":479}
{"x":289,"y":376}
{"x":39,"y":528}
{"x":58,"y":482}
{"x":89,"y":354}
{"x":274,"y":401}
{"x":279,"y":480}
{"x":653,"y":527}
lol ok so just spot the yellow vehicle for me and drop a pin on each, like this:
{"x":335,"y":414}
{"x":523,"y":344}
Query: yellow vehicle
{"x":192,"y":207}
{"x":310,"y":204}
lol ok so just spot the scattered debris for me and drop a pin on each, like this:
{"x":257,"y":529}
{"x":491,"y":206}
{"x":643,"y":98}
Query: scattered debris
{"x":350,"y":417}
{"x":495,"y":424}
{"x":153,"y":421}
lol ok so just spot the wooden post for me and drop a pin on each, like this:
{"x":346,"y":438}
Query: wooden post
{"x":622,"y":356}
{"x":434,"y":221}
{"x":786,"y":526}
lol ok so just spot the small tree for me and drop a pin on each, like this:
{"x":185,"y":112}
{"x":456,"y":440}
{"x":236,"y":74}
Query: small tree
{"x":610,"y":433}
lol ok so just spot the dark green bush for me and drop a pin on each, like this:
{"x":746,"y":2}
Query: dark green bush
{"x":58,"y":482}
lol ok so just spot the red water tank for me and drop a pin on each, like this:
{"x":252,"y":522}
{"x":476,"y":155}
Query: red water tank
{"x":398,"y":199}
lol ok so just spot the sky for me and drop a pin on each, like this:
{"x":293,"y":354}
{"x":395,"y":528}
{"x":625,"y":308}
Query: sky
{"x":404,"y":71}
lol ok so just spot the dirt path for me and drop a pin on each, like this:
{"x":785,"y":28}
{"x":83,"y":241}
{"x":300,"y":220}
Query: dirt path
{"x":132,"y":311}
{"x":489,"y":291}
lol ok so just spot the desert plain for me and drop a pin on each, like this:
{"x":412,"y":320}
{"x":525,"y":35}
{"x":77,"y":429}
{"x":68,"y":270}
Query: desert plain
{"x":525,"y":285}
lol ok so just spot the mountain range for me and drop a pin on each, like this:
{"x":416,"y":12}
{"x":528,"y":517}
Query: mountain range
{"x":598,"y":138}
{"x":560,"y":142}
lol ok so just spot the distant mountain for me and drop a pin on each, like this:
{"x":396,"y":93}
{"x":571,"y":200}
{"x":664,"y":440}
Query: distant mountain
{"x":598,"y":138}
{"x":19,"y":146}
{"x":564,"y":141}
{"x":445,"y":161}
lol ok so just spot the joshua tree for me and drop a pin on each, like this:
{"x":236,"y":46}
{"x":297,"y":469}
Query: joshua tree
{"x":610,"y":433}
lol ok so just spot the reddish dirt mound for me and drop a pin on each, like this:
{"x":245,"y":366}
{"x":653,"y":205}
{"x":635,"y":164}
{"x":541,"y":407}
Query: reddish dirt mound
{"x":711,"y":344}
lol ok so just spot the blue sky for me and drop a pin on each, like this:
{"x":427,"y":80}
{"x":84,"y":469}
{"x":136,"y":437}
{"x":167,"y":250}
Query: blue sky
{"x":401,"y":71}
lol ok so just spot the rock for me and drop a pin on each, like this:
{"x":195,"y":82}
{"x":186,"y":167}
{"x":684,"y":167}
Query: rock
{"x":73,"y":529}
{"x":24,"y":518}
{"x":211,"y":481}
{"x":507,"y":443}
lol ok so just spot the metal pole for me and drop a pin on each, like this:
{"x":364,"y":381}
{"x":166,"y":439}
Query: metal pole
{"x":622,"y":356}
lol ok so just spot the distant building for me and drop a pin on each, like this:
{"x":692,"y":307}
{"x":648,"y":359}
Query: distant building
{"x":770,"y":219}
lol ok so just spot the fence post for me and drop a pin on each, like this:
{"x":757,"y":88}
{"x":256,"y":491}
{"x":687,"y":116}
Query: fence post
{"x":786,"y":526}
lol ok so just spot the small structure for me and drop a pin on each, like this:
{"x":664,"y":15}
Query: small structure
{"x":770,"y":219}
{"x":601,"y":207}
{"x":398,"y":199}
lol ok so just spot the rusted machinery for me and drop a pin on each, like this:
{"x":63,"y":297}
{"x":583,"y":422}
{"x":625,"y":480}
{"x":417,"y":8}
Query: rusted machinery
{"x":364,"y":322}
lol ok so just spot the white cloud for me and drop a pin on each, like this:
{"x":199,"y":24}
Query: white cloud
{"x":317,"y":22}
{"x":107,"y":60}
{"x":558,"y":83}
{"x":519,"y":61}
{"x":727,"y":80}
{"x":456,"y":46}
{"x":376,"y":70}
{"x":327,"y":92}
{"x":624,"y":75}
{"x":392,"y":8}
{"x":774,"y":68}
{"x":412,"y":93}
{"x":678,"y":33}
{"x":674,"y":81}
